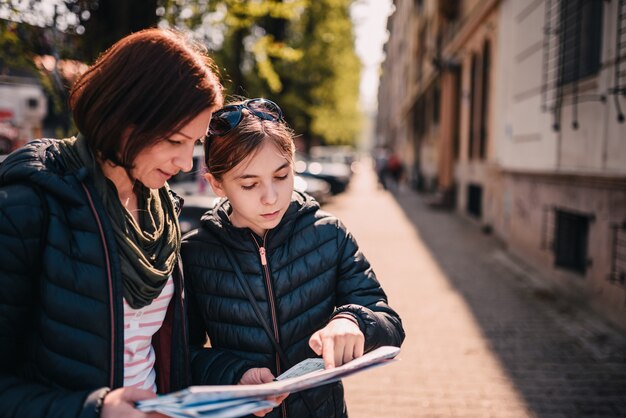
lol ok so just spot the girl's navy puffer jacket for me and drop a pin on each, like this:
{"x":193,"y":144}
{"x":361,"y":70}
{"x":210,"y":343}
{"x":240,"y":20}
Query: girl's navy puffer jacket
{"x":61,"y":311}
{"x":314,"y":270}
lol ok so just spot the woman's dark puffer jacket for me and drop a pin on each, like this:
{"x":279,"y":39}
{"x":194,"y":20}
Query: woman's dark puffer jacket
{"x":314,"y":270}
{"x":61,"y":311}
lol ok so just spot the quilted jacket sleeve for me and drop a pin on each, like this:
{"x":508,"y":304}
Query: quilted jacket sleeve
{"x":209,"y":366}
{"x":21,"y":220}
{"x":360,"y":294}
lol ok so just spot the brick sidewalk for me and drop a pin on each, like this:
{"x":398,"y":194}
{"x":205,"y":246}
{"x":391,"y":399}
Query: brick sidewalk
{"x":482,"y":339}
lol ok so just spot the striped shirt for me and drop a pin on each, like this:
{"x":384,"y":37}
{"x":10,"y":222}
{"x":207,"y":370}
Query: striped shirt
{"x":139,"y":327}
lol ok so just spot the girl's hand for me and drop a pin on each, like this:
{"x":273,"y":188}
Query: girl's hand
{"x":120,"y":403}
{"x":261,"y":375}
{"x":338,"y":342}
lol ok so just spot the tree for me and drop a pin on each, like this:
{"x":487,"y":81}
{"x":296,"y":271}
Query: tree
{"x":90,"y":26}
{"x":67,"y":30}
{"x":301,"y":53}
{"x":111,"y":20}
{"x":298,"y":52}
{"x":329,"y":72}
{"x":251,"y":36}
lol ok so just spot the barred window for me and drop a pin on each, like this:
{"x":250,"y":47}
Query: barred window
{"x":580,"y":40}
{"x":572,"y":51}
{"x":570,"y":241}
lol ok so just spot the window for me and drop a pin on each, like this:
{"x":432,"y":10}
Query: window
{"x":474,"y":84}
{"x":572,"y":46}
{"x":580,"y":41}
{"x":436,"y":103}
{"x":421,"y":53}
{"x":32,"y":103}
{"x":419,"y":122}
{"x":570,"y":240}
{"x":475,"y":200}
{"x":618,"y":254}
{"x":484,"y":103}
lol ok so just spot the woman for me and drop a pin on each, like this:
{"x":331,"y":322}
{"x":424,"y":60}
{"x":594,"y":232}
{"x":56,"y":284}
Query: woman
{"x":274,"y":280}
{"x":92,"y":312}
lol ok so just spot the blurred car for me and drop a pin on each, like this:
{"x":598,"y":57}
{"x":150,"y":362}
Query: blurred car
{"x":337,"y":175}
{"x":192,"y":182}
{"x":193,"y":208}
{"x":318,"y":189}
{"x":333,"y":153}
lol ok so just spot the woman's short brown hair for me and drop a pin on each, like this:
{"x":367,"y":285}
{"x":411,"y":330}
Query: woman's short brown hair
{"x":225,"y":152}
{"x":149,"y":84}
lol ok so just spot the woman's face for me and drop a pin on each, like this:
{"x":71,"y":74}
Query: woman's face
{"x":158,"y":163}
{"x":259,"y":189}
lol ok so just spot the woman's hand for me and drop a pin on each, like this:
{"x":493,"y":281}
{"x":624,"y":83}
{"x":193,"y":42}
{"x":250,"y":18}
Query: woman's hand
{"x":120,"y":403}
{"x":338,"y":342}
{"x":261,"y":375}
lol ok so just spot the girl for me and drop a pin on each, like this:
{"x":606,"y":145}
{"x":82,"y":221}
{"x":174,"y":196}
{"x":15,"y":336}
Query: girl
{"x":92,"y":315}
{"x":275,"y":280}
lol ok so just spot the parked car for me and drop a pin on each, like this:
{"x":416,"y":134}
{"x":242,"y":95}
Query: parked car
{"x":318,"y":189}
{"x":193,"y":208}
{"x":192,"y":182}
{"x":334,"y":153}
{"x":337,"y":175}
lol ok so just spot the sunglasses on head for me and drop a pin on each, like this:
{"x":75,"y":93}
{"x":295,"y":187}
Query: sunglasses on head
{"x":229,"y":117}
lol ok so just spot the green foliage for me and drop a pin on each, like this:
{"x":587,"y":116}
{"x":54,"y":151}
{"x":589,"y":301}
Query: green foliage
{"x":297,"y":52}
{"x":335,"y":71}
{"x":16,"y":48}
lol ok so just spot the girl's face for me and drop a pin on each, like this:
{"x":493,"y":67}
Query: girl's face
{"x":259,"y":189}
{"x":158,"y":163}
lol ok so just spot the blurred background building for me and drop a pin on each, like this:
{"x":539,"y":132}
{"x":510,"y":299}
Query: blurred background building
{"x":511,"y":113}
{"x":22,"y":111}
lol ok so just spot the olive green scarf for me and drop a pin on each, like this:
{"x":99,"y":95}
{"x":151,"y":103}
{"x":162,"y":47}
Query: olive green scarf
{"x":148,"y":251}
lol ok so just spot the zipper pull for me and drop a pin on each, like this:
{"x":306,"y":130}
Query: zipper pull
{"x":262,"y":254}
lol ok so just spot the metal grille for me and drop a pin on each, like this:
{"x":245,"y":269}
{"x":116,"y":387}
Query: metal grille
{"x":565,"y":234}
{"x":547,"y":229}
{"x":619,"y":76}
{"x":618,"y":259}
{"x":571,"y":51}
{"x":570,"y":241}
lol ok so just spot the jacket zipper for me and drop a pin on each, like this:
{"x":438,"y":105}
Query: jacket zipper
{"x":110,"y":279}
{"x":270,"y":293}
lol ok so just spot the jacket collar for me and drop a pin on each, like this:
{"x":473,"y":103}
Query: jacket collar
{"x":218,"y":221}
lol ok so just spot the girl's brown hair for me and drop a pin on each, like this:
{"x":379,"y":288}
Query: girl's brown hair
{"x":149,"y":85}
{"x":225,"y":152}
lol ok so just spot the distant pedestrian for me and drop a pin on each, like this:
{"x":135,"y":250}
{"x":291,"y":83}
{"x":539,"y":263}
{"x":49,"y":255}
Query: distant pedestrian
{"x":92,"y":311}
{"x":395,"y":169}
{"x":380,"y":161}
{"x":272,"y":278}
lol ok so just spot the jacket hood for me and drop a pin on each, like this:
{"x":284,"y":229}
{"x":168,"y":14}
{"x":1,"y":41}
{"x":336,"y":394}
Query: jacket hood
{"x":218,"y":221}
{"x":40,"y":163}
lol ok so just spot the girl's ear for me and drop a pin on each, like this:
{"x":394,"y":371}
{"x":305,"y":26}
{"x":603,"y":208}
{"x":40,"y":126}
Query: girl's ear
{"x":215,"y":185}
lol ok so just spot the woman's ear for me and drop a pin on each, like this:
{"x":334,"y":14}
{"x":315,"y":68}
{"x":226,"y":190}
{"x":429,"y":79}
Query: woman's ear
{"x":215,"y":185}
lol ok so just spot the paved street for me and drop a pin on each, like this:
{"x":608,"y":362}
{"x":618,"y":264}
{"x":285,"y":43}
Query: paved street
{"x":483,"y":338}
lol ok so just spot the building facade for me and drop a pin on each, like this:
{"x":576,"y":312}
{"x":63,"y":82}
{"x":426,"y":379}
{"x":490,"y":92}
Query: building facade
{"x":529,"y":140}
{"x":561,"y":147}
